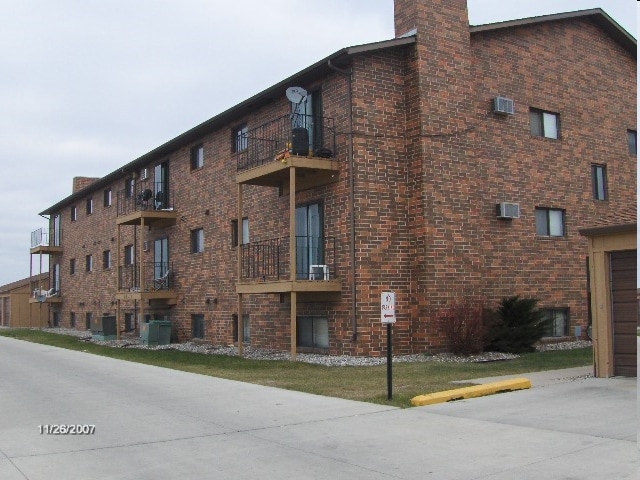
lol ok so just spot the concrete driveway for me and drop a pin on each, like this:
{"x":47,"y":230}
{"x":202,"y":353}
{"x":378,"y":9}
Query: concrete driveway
{"x":153,"y":423}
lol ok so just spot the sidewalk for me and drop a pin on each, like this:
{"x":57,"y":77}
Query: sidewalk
{"x":541,"y":379}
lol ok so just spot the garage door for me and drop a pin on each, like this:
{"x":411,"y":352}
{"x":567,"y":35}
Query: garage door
{"x":625,"y":312}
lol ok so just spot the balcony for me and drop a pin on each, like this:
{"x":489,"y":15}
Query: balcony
{"x":40,"y":295}
{"x":46,"y":243}
{"x":147,"y":281}
{"x":266,"y":153}
{"x":146,"y":204}
{"x":265,"y":266}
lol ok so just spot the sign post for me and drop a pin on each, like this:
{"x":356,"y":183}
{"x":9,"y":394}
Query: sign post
{"x":388,"y":316}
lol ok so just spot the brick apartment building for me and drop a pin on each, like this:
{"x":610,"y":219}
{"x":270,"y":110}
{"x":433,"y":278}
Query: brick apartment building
{"x":451,"y":162}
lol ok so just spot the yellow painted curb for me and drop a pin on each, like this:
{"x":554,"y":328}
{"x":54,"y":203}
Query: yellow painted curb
{"x":471,"y":392}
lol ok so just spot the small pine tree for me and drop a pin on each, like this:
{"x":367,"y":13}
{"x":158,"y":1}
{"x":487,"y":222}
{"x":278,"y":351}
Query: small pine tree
{"x":516,"y":326}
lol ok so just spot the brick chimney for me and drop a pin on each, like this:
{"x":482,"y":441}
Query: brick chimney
{"x":441,"y":125}
{"x":80,"y":183}
{"x":444,"y":60}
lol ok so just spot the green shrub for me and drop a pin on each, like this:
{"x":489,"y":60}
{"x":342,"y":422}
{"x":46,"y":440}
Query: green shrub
{"x":462,"y":324}
{"x":515,"y":326}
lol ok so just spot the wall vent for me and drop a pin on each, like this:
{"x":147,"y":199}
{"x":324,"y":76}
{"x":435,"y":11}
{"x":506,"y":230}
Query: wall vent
{"x":145,"y":246}
{"x":503,"y":106}
{"x":508,"y":210}
{"x":144,"y":174}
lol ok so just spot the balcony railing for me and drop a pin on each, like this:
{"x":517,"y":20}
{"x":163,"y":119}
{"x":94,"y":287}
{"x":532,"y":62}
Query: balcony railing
{"x":40,"y":293}
{"x":269,"y":260}
{"x":295,"y":134}
{"x":42,"y":238}
{"x":157,"y":276}
{"x":144,"y":196}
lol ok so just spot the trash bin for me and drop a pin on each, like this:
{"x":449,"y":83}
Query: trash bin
{"x":162,"y":330}
{"x":149,"y":334}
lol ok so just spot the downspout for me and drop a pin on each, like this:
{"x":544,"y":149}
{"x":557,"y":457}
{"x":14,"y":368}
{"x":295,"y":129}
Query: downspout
{"x":352,"y":220}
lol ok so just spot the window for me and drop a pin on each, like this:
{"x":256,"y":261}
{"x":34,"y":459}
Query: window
{"x":197,"y":240}
{"x":129,"y":255}
{"x":197,"y":325}
{"x":88,"y":317}
{"x":74,"y":213}
{"x":599,"y":181}
{"x":559,"y":317}
{"x":106,"y":259}
{"x":89,"y":263}
{"x":313,"y":332}
{"x":632,"y":139}
{"x":72,"y":319}
{"x":197,"y":157}
{"x":246,"y":327}
{"x":544,"y":124}
{"x":129,"y":187}
{"x":128,"y":322}
{"x":234,"y":232}
{"x":550,"y":222}
{"x":107,"y":197}
{"x":89,"y":206}
{"x":240,"y":138}
{"x":72,"y":266}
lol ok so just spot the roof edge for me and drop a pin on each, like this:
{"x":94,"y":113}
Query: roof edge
{"x":608,"y":230}
{"x":599,"y":16}
{"x":228,"y":115}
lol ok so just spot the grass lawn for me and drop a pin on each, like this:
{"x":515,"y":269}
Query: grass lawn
{"x":368,"y":384}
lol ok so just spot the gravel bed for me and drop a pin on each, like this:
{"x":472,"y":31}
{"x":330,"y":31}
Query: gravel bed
{"x":318,"y":359}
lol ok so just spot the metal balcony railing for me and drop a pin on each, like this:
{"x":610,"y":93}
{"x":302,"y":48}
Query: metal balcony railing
{"x":144,"y":196}
{"x":43,"y":238}
{"x":157,"y":276}
{"x":269,"y":260}
{"x":295,"y":134}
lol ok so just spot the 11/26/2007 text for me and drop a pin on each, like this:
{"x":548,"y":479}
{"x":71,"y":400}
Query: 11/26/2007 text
{"x":67,"y":429}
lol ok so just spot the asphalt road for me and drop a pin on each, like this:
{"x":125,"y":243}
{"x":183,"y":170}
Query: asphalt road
{"x":154,"y":423}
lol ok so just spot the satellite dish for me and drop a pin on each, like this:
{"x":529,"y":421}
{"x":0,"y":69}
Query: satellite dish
{"x":296,"y":94}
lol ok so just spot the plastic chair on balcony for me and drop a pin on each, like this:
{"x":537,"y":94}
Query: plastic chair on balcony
{"x":162,"y":283}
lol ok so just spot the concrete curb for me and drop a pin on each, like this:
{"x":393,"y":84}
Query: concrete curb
{"x":471,"y":392}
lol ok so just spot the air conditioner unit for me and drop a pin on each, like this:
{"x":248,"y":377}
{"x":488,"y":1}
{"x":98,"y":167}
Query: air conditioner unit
{"x":503,"y":106}
{"x":144,"y":174}
{"x":319,"y":272}
{"x":508,"y":210}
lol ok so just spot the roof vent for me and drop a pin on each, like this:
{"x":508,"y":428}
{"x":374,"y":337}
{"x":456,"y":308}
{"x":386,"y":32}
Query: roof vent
{"x":503,"y":106}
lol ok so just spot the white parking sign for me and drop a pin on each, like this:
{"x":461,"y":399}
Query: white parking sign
{"x":388,"y":307}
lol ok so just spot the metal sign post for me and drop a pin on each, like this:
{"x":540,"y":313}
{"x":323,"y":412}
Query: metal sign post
{"x":388,"y":316}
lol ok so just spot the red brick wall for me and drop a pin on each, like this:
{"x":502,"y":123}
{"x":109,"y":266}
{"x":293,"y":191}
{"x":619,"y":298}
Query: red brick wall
{"x":430,"y":163}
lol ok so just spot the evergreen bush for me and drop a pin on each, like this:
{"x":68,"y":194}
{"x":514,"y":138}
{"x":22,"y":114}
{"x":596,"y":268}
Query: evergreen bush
{"x":515,"y":326}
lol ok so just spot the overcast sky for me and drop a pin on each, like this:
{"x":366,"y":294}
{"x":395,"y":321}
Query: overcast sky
{"x":88,"y":86}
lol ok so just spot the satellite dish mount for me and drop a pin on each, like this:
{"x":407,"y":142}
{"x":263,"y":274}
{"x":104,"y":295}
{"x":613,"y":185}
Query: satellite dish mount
{"x":296,"y":95}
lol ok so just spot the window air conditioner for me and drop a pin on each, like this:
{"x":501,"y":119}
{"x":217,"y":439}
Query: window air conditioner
{"x":507,"y":210}
{"x":319,"y":272}
{"x":503,"y":106}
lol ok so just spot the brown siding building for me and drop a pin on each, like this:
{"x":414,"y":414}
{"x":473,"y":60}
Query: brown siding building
{"x":451,"y":162}
{"x":19,"y":307}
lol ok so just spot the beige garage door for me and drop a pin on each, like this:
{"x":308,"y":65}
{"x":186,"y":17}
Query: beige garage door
{"x":625,"y":312}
